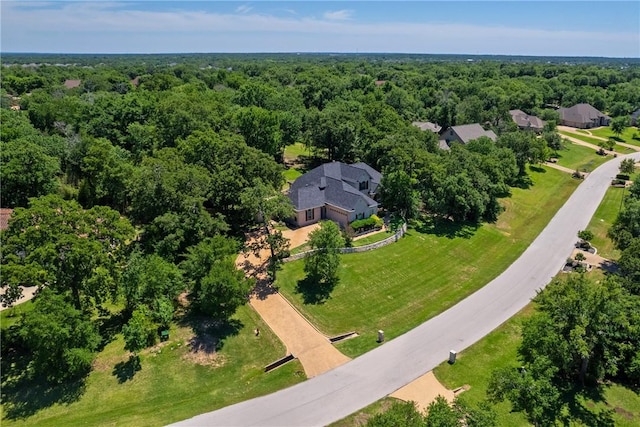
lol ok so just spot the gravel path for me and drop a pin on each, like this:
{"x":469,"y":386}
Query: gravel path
{"x":302,"y":339}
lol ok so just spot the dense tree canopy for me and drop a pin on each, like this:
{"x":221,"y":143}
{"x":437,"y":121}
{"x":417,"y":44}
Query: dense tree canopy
{"x":56,"y":244}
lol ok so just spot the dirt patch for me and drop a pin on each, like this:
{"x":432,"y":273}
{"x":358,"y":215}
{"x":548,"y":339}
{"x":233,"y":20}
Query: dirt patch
{"x":202,"y":350}
{"x":624,"y":413}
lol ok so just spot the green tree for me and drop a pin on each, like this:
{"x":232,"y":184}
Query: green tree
{"x":441,"y":414}
{"x":61,"y":340}
{"x":140,"y":332}
{"x":322,"y":264}
{"x":619,"y":124}
{"x":150,"y":281}
{"x":577,"y":328}
{"x":526,"y":147}
{"x":264,"y":203}
{"x":27,"y":171}
{"x":628,"y":166}
{"x":585,"y":235}
{"x":56,"y":244}
{"x":222,"y":291}
{"x":629,"y":264}
{"x":529,"y":389}
{"x":399,"y":414}
{"x":397,"y":193}
{"x":626,"y":226}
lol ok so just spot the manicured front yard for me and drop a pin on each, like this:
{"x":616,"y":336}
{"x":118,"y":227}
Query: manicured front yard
{"x":602,"y":220}
{"x":399,"y":286}
{"x":171,"y":385}
{"x":626,"y":136}
{"x":575,"y":156}
{"x":595,"y":141}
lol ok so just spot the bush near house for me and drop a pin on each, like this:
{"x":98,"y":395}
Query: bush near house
{"x":366,"y":224}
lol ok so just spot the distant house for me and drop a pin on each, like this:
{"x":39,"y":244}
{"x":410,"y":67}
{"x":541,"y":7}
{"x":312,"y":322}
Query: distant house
{"x":70,"y":84}
{"x":136,"y":81}
{"x":5,"y":214}
{"x":335,"y":191}
{"x":583,"y":116}
{"x":463,"y":134}
{"x":527,"y":122}
{"x":380,"y":82}
{"x":635,"y":117}
{"x":433,"y":127}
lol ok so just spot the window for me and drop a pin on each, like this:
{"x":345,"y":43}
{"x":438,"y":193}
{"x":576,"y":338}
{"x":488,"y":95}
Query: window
{"x":364,"y":185}
{"x":309,"y":214}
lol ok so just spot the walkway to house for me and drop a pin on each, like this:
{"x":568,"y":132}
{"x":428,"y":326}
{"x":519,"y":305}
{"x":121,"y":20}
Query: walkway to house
{"x":301,"y":338}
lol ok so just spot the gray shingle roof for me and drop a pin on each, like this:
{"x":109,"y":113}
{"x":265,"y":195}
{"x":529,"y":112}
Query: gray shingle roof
{"x":524,"y":120}
{"x":580,"y":113}
{"x":473,"y":131}
{"x":338,"y":189}
{"x":433,"y":127}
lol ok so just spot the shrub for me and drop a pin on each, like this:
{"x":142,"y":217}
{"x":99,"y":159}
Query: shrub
{"x":622,"y":176}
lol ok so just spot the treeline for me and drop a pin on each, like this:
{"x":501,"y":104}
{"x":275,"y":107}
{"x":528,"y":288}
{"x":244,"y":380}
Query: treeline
{"x":136,"y":185}
{"x":583,"y":333}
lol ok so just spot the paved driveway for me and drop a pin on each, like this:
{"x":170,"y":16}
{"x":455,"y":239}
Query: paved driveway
{"x":360,"y":382}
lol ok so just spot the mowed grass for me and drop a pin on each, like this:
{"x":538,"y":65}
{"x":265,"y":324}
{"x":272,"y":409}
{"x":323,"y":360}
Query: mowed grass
{"x":499,"y":349}
{"x":296,"y":150}
{"x":574,"y":156}
{"x":401,"y":285}
{"x":603,"y":219}
{"x":626,"y":136}
{"x":595,"y":141}
{"x":170,"y":387}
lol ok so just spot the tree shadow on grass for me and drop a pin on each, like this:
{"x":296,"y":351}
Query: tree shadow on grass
{"x":443,"y":227}
{"x":209,"y":334}
{"x":23,"y":396}
{"x":109,"y":326}
{"x":125,"y":371}
{"x":577,"y":400}
{"x":314,"y":291}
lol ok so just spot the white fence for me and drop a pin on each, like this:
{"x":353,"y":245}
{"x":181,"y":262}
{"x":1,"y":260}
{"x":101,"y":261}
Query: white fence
{"x":369,"y":247}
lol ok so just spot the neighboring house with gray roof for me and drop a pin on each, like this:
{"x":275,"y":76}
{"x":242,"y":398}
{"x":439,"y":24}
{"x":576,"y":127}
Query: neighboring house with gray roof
{"x":582,"y":116}
{"x":433,"y":127}
{"x":527,"y":122}
{"x":335,"y":191}
{"x":465,"y":133}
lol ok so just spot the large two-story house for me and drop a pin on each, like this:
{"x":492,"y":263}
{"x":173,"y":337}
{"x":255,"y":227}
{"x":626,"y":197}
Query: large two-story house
{"x":583,"y":116}
{"x":336,"y":191}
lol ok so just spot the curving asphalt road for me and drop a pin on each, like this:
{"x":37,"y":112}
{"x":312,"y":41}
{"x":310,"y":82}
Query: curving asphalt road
{"x":360,"y":382}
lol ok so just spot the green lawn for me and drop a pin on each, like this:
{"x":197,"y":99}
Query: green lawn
{"x":602,"y":220}
{"x":170,"y":387}
{"x":399,"y":286}
{"x":474,"y":365}
{"x":595,"y":141}
{"x":291,"y":175}
{"x":575,"y":156}
{"x":296,"y":150}
{"x":626,"y":136}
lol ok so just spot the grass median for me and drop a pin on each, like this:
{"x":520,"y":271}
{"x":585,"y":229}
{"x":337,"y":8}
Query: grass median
{"x":397,"y":287}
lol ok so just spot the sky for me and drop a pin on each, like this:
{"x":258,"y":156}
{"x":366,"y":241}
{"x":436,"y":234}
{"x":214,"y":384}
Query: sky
{"x":544,"y":28}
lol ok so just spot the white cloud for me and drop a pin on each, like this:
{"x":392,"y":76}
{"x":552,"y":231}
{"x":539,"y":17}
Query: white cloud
{"x":243,"y":9}
{"x":96,"y":28}
{"x":338,"y":15}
